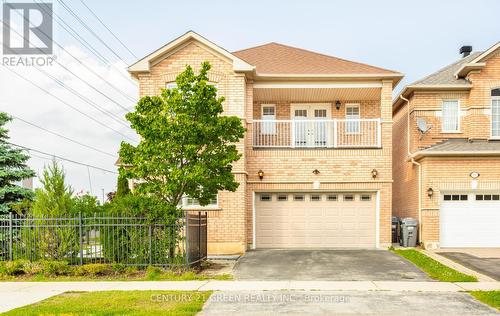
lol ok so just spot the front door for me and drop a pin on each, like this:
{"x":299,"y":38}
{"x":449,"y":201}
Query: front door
{"x":311,"y":125}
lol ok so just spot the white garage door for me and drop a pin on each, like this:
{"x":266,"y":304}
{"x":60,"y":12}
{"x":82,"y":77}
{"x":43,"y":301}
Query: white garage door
{"x":315,"y":220}
{"x":470,"y":220}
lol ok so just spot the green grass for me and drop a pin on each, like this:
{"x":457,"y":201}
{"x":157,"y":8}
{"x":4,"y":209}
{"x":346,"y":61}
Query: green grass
{"x":118,"y":303}
{"x":433,"y":268}
{"x":491,"y":298}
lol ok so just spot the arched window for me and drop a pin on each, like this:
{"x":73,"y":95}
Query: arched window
{"x":495,"y":113}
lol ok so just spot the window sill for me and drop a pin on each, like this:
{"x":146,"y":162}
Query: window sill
{"x":202,"y":208}
{"x":451,"y":132}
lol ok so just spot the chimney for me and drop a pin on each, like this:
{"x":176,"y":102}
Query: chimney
{"x":465,"y":50}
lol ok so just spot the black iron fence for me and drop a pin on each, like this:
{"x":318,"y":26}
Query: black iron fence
{"x":105,"y":239}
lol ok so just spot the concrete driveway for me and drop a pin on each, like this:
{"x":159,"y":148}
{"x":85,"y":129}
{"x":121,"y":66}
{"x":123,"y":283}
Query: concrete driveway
{"x":485,"y":261}
{"x":343,"y":303}
{"x":333,"y":265}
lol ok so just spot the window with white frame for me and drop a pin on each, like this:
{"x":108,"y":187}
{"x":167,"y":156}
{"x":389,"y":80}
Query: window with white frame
{"x":451,"y":116}
{"x":189,"y":202}
{"x":268,"y":126}
{"x":352,"y":113}
{"x":171,"y":85}
{"x":495,"y":113}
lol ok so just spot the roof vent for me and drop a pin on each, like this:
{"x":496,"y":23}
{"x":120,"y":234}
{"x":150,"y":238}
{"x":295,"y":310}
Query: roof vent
{"x":465,"y":50}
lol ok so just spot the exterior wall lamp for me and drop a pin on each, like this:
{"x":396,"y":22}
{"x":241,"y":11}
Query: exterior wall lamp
{"x":430,"y":192}
{"x":374,"y":173}
{"x":316,"y":171}
{"x":337,"y":105}
{"x":260,"y":173}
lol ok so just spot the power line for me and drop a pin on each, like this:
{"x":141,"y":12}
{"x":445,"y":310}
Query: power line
{"x":79,"y":78}
{"x":62,"y":158}
{"x":84,"y":43}
{"x":107,"y":28}
{"x":84,"y":98}
{"x":67,"y":104}
{"x":89,"y":29}
{"x":77,"y":60}
{"x":62,"y":136}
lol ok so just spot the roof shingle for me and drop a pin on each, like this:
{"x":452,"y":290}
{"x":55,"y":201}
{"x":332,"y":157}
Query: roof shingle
{"x":446,"y":75}
{"x":274,"y":58}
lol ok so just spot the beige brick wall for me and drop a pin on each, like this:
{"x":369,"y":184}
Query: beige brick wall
{"x":449,"y":174}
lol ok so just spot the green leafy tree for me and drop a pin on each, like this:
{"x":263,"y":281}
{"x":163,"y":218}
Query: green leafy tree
{"x":187,"y":147}
{"x":53,"y":200}
{"x":122,"y":188}
{"x":12,"y":168}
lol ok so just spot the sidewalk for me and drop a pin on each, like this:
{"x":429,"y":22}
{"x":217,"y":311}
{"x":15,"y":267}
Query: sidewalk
{"x":17,"y":294}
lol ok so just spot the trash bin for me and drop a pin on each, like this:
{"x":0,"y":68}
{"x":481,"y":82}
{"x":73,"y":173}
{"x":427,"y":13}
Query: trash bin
{"x":394,"y":229}
{"x":408,"y":233}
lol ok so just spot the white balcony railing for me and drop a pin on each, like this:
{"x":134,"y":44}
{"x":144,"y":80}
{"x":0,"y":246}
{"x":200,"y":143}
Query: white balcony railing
{"x":314,"y":133}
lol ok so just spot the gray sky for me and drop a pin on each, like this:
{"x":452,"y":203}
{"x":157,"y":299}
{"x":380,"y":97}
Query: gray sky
{"x":414,"y":37}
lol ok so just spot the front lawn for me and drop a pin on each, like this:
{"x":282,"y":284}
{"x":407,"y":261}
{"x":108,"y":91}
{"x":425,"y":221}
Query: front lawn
{"x":433,"y":268}
{"x":118,"y":303}
{"x":491,"y":298}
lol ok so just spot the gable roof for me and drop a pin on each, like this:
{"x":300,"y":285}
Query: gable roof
{"x":451,"y":77}
{"x":446,"y":75}
{"x":274,"y":60}
{"x":143,"y":65}
{"x":278,"y":59}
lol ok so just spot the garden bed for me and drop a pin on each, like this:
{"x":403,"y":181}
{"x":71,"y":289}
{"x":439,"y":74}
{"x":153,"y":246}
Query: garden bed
{"x":23,"y":270}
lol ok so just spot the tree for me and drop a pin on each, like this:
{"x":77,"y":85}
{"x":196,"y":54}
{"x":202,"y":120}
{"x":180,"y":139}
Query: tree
{"x":12,"y":168}
{"x":122,"y":188}
{"x":54,"y":198}
{"x":187,"y":147}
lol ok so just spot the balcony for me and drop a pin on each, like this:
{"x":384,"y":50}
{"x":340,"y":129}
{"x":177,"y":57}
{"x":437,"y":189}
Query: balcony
{"x":317,"y":133}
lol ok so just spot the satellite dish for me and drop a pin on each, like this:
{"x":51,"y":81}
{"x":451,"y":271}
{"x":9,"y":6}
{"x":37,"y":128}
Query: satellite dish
{"x":423,"y":127}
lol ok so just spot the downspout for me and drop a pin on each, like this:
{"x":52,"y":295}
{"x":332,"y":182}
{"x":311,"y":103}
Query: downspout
{"x":419,"y":169}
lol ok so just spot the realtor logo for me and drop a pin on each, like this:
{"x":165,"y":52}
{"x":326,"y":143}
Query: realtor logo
{"x":27,"y":28}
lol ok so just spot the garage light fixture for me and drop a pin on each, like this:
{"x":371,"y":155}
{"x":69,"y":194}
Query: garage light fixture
{"x":316,"y":171}
{"x":260,"y":173}
{"x":374,"y":173}
{"x":430,"y":192}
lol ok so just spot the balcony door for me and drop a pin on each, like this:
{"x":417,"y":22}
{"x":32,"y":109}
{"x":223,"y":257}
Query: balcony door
{"x":312,"y":125}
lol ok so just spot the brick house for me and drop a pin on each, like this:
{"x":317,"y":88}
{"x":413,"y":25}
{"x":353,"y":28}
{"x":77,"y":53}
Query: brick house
{"x":316,"y":169}
{"x":446,"y":156}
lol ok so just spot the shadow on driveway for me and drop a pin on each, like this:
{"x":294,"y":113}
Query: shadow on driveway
{"x":326,"y":265}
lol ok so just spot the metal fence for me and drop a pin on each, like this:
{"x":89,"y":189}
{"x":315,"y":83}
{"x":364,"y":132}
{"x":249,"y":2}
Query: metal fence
{"x":105,"y":239}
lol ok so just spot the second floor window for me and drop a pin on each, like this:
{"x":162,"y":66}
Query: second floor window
{"x":495,"y":113}
{"x":451,"y":116}
{"x":269,"y":115}
{"x":352,"y":113}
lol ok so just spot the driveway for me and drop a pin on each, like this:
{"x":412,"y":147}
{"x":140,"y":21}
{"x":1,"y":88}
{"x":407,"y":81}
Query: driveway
{"x":343,"y":303}
{"x":484,"y":261}
{"x":332,"y":265}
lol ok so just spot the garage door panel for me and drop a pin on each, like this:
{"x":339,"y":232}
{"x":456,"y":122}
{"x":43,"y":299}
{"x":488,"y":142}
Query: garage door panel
{"x":469,"y":223}
{"x":314,"y":224}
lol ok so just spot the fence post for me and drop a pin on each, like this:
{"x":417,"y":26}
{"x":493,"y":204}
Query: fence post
{"x":11,"y":253}
{"x":150,"y":231}
{"x":187,"y":241}
{"x":80,"y":229}
{"x":199,"y":235}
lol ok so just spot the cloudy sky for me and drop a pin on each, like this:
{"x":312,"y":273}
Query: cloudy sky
{"x":414,"y":37}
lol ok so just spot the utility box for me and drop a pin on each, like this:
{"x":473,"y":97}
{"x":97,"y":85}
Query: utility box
{"x":408,"y":232}
{"x":395,"y":229}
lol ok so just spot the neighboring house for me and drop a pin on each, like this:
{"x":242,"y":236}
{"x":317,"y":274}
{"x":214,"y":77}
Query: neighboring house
{"x":446,"y":157}
{"x":316,"y":169}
